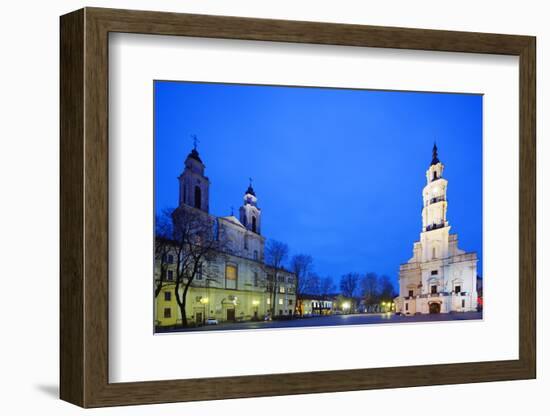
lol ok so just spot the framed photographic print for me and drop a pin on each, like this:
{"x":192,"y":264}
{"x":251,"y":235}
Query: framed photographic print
{"x":253,"y":197}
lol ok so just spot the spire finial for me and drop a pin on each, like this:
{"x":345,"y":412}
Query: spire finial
{"x":195,"y":141}
{"x":232,"y":213}
{"x":250,"y":190}
{"x":435,"y":159}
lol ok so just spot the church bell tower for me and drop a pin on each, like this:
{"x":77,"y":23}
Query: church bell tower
{"x":435,"y":227}
{"x":193,"y":184}
{"x":249,"y":212}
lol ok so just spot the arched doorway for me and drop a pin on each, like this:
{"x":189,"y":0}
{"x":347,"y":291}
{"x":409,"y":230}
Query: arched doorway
{"x":435,"y":307}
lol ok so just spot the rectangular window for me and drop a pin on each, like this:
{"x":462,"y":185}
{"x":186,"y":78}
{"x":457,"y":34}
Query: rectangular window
{"x":256,"y":281}
{"x":169,"y":275}
{"x":434,"y":272}
{"x":434,"y":289}
{"x":457,"y":289}
{"x":246,"y":242}
{"x":268,"y":301}
{"x":167,"y":312}
{"x":411,"y":293}
{"x":406,"y":306}
{"x":255,"y":254}
{"x":170,"y":259}
{"x":290,"y":301}
{"x":290,"y":280}
{"x":281,"y":279}
{"x":168,"y":296}
{"x":281,"y":289}
{"x":198,"y":274}
{"x":231,"y":274}
{"x":280,"y":301}
{"x":463,"y":303}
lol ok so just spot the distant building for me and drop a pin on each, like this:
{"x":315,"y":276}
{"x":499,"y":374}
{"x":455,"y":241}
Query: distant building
{"x":235,"y":286}
{"x":314,"y":305}
{"x":440,"y":277}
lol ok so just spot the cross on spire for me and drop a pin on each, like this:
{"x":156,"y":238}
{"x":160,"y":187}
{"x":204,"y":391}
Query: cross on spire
{"x":250,"y":182}
{"x":195,"y":141}
{"x":232,"y":213}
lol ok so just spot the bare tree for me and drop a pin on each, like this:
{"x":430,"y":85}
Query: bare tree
{"x":369,"y":287}
{"x":163,"y":247}
{"x":276,"y":254}
{"x":196,"y":240}
{"x":387,"y":290}
{"x":326,"y":286}
{"x":312,"y":285}
{"x":301,"y":265}
{"x":349,"y":283}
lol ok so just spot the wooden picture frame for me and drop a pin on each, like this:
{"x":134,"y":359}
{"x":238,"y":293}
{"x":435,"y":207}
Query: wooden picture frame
{"x":84,"y":207}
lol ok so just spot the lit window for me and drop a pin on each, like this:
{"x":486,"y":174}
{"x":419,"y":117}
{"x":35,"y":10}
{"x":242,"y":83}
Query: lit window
{"x":268,"y":301}
{"x":167,"y":296}
{"x":230,"y":276}
{"x":167,"y":312}
{"x":280,"y":301}
{"x":281,"y":289}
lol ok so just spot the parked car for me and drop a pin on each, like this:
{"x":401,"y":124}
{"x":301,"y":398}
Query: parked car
{"x":211,"y":321}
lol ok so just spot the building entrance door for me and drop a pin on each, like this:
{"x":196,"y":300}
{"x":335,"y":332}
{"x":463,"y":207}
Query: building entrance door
{"x":435,"y":308}
{"x":231,"y":314}
{"x":198,"y":318}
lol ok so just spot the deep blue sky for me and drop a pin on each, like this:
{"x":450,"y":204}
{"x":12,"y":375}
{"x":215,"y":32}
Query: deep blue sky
{"x":338,"y":173}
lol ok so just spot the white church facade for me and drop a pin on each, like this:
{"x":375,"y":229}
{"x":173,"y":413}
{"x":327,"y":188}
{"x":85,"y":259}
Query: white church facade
{"x":440,"y":277}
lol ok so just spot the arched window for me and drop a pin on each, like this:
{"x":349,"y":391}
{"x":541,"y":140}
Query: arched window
{"x":253,"y":223}
{"x":197,"y":197}
{"x":435,"y":175}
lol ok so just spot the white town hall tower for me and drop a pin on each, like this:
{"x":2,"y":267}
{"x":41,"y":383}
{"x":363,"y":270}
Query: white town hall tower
{"x":440,"y":277}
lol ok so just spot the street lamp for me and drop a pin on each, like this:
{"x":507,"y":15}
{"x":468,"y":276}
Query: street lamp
{"x":204,"y":302}
{"x":346,"y":306}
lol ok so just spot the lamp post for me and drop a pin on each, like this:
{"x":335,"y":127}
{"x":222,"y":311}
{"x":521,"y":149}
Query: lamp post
{"x":204,"y":301}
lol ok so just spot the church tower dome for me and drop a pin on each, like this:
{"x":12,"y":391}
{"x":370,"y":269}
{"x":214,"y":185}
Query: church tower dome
{"x":193,"y":184}
{"x":249,"y":212}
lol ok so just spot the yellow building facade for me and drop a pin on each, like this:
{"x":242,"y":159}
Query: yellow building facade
{"x":234,"y":285}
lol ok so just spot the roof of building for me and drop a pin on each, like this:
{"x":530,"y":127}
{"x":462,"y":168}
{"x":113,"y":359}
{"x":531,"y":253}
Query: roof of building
{"x":250,"y":190}
{"x":435,"y":160}
{"x":233,"y":219}
{"x":194,"y":155}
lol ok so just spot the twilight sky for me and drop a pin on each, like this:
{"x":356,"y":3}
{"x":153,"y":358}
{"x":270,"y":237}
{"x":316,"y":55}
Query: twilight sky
{"x":338,"y":173}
